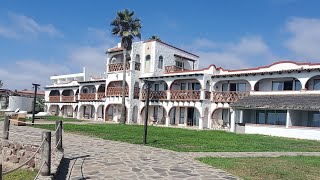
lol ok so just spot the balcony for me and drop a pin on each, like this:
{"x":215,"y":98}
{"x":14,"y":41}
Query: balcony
{"x":137,"y":66}
{"x":88,"y":96}
{"x":154,"y":95}
{"x":172,"y":69}
{"x":118,"y":67}
{"x":54,"y":98}
{"x":185,"y":95}
{"x":207,"y":94}
{"x":116,"y":91}
{"x":136,"y":92}
{"x":232,"y":96}
{"x":100,"y":95}
{"x":67,"y":98}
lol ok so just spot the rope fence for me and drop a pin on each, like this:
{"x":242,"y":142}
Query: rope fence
{"x":44,"y":148}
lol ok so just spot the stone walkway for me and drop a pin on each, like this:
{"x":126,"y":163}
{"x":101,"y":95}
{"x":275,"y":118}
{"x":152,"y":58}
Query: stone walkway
{"x":92,"y":158}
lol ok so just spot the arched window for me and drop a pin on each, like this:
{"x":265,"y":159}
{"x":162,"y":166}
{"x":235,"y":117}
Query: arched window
{"x":147,"y":64}
{"x":137,"y":59}
{"x":160,"y":63}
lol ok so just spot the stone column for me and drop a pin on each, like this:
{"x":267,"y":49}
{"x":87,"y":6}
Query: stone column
{"x":288,"y":119}
{"x":167,"y":121}
{"x":232,"y":120}
{"x":201,"y":122}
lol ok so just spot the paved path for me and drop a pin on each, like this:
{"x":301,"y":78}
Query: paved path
{"x":92,"y":158}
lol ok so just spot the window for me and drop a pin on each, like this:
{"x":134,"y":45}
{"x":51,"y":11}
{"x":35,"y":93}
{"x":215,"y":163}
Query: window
{"x":238,"y":87}
{"x":282,"y":85}
{"x":160,"y":63}
{"x":156,"y":87}
{"x":179,"y":64}
{"x":194,"y":86}
{"x":155,"y":112}
{"x":183,"y":86}
{"x":297,"y":85}
{"x":314,"y":119}
{"x":225,"y":117}
{"x":225,"y":87}
{"x":316,"y":84}
{"x":182,"y":112}
{"x":273,"y":117}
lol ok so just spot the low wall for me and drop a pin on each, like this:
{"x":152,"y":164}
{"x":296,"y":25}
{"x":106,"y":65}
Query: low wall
{"x":14,"y":153}
{"x":291,"y":132}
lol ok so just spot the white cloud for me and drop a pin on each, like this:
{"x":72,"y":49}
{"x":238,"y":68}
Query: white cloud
{"x":23,"y":73}
{"x":20,"y":26}
{"x":246,"y":52}
{"x":304,"y":38}
{"x":29,"y":25}
{"x":7,"y":32}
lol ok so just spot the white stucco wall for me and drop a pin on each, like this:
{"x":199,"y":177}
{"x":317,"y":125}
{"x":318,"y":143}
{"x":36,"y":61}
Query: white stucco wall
{"x":299,"y":133}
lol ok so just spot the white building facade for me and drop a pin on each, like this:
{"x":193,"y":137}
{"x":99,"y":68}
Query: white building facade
{"x":182,"y":95}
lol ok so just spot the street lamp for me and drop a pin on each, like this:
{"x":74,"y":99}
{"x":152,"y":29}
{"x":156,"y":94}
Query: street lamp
{"x":34,"y":100}
{"x":147,"y":86}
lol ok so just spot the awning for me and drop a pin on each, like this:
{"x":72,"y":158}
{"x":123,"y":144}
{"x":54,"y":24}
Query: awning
{"x":294,"y":102}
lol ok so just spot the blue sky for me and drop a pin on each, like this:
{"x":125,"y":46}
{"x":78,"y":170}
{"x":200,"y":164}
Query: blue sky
{"x":41,"y":38}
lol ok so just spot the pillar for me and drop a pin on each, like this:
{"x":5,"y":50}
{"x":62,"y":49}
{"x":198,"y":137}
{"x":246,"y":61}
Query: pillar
{"x":167,"y":121}
{"x":201,"y":122}
{"x":232,"y":120}
{"x":288,"y":119}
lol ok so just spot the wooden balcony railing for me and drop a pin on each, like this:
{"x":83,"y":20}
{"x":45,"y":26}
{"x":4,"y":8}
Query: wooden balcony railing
{"x":170,"y":69}
{"x":136,"y":92}
{"x":185,"y":95}
{"x":67,"y":98}
{"x":54,"y":98}
{"x":88,"y":96}
{"x":207,"y":94}
{"x":116,"y":91}
{"x":118,"y":67}
{"x":137,"y":66}
{"x":101,"y":95}
{"x":228,"y":96}
{"x":155,"y":95}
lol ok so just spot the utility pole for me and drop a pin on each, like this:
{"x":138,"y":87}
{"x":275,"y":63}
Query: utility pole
{"x":34,"y":101}
{"x":146,"y":113}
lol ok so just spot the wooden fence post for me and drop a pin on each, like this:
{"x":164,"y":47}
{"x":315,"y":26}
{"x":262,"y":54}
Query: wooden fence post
{"x":6,"y":125}
{"x":59,"y":135}
{"x":46,"y":153}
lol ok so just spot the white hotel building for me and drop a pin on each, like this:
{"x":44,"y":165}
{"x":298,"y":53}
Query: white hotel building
{"x":282,"y":99}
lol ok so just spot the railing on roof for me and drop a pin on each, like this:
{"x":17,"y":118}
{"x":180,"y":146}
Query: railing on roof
{"x":231,"y":96}
{"x":171,"y":69}
{"x":185,"y":95}
{"x":118,"y":67}
{"x":154,"y":95}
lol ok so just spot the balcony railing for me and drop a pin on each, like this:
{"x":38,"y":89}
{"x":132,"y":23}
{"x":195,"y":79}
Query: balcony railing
{"x":116,"y":91}
{"x":207,"y":94}
{"x":137,"y":66}
{"x":136,"y":92}
{"x":67,"y":98}
{"x":170,"y":69}
{"x":185,"y":95}
{"x":101,"y":95}
{"x":229,"y":96}
{"x":118,"y":67}
{"x":54,"y":98}
{"x":155,"y":95}
{"x":88,"y":96}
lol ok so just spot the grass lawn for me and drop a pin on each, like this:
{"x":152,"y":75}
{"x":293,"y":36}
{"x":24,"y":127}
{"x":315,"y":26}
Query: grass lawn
{"x":21,"y":174}
{"x":285,"y":167}
{"x":185,"y":140}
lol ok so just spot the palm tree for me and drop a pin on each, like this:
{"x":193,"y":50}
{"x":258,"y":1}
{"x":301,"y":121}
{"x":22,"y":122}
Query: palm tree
{"x":127,"y":28}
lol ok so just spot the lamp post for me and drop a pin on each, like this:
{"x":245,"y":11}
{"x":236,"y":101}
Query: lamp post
{"x":34,"y":101}
{"x":148,"y":86}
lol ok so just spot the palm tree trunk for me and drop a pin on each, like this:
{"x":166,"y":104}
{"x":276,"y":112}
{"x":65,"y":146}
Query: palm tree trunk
{"x":123,"y":107}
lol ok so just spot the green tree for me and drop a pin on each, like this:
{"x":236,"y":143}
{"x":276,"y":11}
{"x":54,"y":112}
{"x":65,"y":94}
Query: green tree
{"x":127,"y":27}
{"x":1,"y":83}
